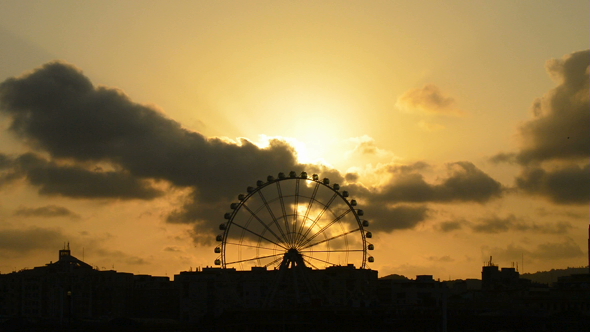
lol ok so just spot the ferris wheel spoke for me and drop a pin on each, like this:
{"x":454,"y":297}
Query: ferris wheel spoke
{"x":317,"y":259}
{"x":311,"y":200}
{"x":273,"y":262}
{"x":335,"y":250}
{"x":307,"y":262}
{"x":295,"y":213}
{"x":323,"y":229}
{"x":272,"y":215}
{"x":329,"y":239}
{"x":253,"y":259}
{"x":301,"y":221}
{"x":250,"y":246}
{"x":263,"y":224}
{"x":282,"y":201}
{"x":260,"y":236}
{"x":302,"y":239}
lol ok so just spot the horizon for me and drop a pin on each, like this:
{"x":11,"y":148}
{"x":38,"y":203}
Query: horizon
{"x":461,"y":129}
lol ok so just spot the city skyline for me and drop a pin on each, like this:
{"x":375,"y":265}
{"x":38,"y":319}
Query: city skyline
{"x":462,"y":130}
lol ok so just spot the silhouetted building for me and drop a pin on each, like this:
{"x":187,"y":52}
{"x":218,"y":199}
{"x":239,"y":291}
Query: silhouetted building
{"x":212,"y":291}
{"x":70,"y":289}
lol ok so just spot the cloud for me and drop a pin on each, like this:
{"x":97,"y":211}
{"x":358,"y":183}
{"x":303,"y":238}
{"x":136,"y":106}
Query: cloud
{"x":365,"y":147}
{"x":465,"y":182}
{"x":75,"y":128}
{"x":560,"y":129}
{"x":503,"y":157}
{"x":35,"y":238}
{"x":567,"y":185}
{"x":57,"y":110}
{"x":451,"y":225}
{"x":497,"y":224}
{"x":172,"y":249}
{"x":398,"y":217}
{"x":428,"y":99}
{"x":78,"y":182}
{"x":566,"y":249}
{"x":443,"y":259}
{"x":555,"y":144}
{"x":49,"y":211}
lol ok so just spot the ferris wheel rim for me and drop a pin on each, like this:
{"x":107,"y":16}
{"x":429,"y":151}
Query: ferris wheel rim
{"x":294,"y":236}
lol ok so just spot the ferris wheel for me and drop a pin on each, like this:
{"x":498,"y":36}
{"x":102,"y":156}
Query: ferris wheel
{"x":293,"y":221}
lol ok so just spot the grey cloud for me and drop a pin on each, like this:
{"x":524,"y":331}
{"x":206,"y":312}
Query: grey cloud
{"x":48,"y":211}
{"x":76,"y":126}
{"x":465,"y":183}
{"x":556,"y":142}
{"x":510,"y":223}
{"x":351,"y":177}
{"x":74,"y":181}
{"x":117,"y":256}
{"x":409,"y":168}
{"x":57,"y":109}
{"x":25,"y":240}
{"x":560,"y":129}
{"x":544,"y":251}
{"x":452,"y":225}
{"x":503,"y":158}
{"x":567,"y":185}
{"x":566,"y":249}
{"x":497,"y":224}
{"x":70,"y":118}
{"x":398,"y":217}
{"x":172,"y":249}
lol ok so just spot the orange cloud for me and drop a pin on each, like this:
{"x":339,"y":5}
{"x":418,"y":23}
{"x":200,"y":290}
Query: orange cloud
{"x":428,"y":99}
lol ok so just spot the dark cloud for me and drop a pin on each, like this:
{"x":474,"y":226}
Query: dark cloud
{"x":561,"y":127}
{"x":465,"y":183}
{"x":49,"y":211}
{"x":554,"y":251}
{"x":398,"y":217}
{"x":403,"y":169}
{"x":172,"y":249}
{"x":496,"y":224}
{"x":78,"y":182}
{"x":351,"y":177}
{"x":452,"y":225}
{"x":566,"y":249}
{"x":56,"y":109}
{"x":503,"y":158}
{"x":567,"y":185}
{"x":76,"y":128}
{"x":25,"y":240}
{"x":116,"y":256}
{"x":556,"y":142}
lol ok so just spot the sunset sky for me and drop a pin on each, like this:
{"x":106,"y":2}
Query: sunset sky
{"x":462,"y":128}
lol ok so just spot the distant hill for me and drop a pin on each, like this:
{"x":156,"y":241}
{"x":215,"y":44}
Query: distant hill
{"x":395,"y":277}
{"x":549,"y":277}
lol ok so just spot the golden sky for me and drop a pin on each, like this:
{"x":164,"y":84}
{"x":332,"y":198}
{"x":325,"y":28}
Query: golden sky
{"x":461,"y":127}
